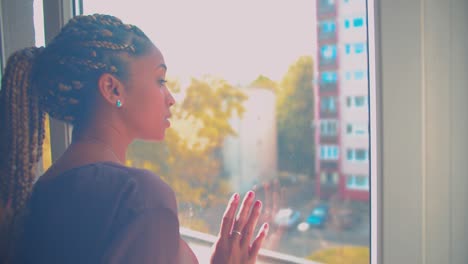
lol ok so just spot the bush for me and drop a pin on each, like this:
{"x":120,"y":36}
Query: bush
{"x":346,"y":254}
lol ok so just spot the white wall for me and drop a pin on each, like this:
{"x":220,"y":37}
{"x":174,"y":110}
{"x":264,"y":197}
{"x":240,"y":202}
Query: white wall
{"x":424,"y":125}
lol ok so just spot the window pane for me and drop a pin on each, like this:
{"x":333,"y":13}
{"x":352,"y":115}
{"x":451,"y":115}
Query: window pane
{"x":231,"y":95}
{"x":40,"y":41}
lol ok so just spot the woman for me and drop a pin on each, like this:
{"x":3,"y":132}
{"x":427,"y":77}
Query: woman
{"x":107,"y":79}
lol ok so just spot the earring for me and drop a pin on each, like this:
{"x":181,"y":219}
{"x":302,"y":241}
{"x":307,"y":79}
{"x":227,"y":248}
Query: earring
{"x":118,"y":103}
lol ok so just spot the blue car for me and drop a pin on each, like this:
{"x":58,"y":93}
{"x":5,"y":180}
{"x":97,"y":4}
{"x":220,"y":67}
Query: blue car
{"x":319,"y":216}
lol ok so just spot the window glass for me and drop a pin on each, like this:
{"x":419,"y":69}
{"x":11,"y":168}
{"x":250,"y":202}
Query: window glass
{"x":346,"y":23}
{"x":328,"y":51}
{"x":347,"y":48}
{"x":220,"y":54}
{"x":329,"y":77}
{"x":40,"y":41}
{"x":358,"y":22}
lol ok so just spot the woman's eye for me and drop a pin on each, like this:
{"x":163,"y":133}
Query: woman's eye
{"x":162,"y":82}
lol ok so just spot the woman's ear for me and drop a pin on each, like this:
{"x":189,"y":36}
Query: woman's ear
{"x":111,"y":89}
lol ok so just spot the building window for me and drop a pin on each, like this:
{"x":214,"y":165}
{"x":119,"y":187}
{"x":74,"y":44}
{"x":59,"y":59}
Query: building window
{"x":359,"y":155}
{"x":329,"y":77}
{"x":357,"y":182}
{"x":356,"y":101}
{"x":358,"y":22}
{"x":360,"y":101}
{"x":348,"y":75}
{"x":328,"y":51}
{"x":357,"y":129}
{"x":347,"y":48}
{"x":329,"y":178}
{"x":359,"y":48}
{"x":328,"y":127}
{"x":359,"y":75}
{"x":329,"y":152}
{"x":328,"y":104}
{"x":328,"y":26}
{"x":346,"y":23}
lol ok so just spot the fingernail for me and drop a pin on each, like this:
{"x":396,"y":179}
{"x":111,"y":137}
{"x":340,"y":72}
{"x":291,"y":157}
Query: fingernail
{"x":265,"y":228}
{"x":250,"y":194}
{"x":235,"y":197}
{"x":258,"y":204}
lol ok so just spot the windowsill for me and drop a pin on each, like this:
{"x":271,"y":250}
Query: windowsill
{"x":201,"y":245}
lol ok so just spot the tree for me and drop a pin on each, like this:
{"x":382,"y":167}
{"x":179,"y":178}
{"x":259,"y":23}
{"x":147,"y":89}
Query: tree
{"x":264,"y":82}
{"x":295,"y":113}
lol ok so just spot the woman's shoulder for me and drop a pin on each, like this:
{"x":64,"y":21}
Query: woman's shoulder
{"x":137,"y":189}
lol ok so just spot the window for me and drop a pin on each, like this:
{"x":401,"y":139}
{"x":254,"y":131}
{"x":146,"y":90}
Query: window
{"x":328,"y":51}
{"x":358,"y":155}
{"x":357,"y":182}
{"x":40,"y":41}
{"x":328,"y":26}
{"x":329,"y":178}
{"x":356,"y":101}
{"x":347,"y":48}
{"x":328,"y":127}
{"x":359,"y":75}
{"x":328,"y":104}
{"x":360,"y":101}
{"x":203,"y":183}
{"x":358,"y":22}
{"x":329,"y":77}
{"x":329,"y":152}
{"x":356,"y":129}
{"x":346,"y":23}
{"x":348,"y":75}
{"x":359,"y":48}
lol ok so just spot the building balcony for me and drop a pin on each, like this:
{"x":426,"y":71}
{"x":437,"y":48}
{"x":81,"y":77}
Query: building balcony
{"x":328,"y":62}
{"x":328,"y":164}
{"x":325,"y":113}
{"x":328,"y":87}
{"x":327,"y":36}
{"x":326,"y":8}
{"x":328,"y":139}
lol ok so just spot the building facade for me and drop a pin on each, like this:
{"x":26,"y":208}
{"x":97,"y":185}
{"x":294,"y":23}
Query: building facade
{"x":342,"y":90}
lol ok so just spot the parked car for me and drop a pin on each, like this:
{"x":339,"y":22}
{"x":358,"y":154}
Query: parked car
{"x":319,"y":216}
{"x":287,"y":217}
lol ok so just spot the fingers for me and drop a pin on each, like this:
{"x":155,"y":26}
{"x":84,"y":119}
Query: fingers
{"x":251,"y":223}
{"x":228,"y":217}
{"x":257,"y":244}
{"x":244,"y":212}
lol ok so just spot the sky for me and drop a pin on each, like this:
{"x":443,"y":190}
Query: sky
{"x":235,"y":40}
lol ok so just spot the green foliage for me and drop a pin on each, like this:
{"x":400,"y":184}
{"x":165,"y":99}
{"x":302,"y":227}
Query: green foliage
{"x":295,"y":114}
{"x":265,"y":83}
{"x":345,"y":254}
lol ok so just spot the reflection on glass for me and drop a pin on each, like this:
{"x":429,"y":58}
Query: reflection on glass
{"x":250,"y":114}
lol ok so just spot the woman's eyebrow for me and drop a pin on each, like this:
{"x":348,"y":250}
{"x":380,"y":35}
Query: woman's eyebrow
{"x":162,"y":65}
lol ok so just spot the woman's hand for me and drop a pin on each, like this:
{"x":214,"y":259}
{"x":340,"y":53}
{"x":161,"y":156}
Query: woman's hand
{"x":234,"y":242}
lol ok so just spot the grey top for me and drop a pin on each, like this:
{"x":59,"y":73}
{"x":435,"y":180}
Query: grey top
{"x":103,"y":213}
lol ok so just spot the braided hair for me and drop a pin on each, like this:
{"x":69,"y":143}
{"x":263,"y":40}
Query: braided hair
{"x":60,"y":80}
